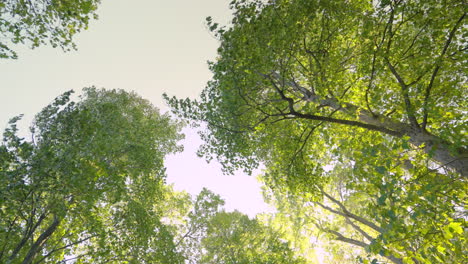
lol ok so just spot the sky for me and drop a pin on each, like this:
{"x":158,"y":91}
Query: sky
{"x":146,"y":46}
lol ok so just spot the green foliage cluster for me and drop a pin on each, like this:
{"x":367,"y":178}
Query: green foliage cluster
{"x":38,"y":22}
{"x":234,"y":238}
{"x":290,"y":69}
{"x":208,"y":235}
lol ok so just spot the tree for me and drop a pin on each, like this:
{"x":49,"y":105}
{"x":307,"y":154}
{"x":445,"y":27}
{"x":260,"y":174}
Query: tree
{"x":193,"y":227}
{"x":36,"y":22}
{"x":235,"y":238}
{"x":206,"y":233}
{"x":89,"y":184}
{"x":366,"y":94}
{"x":301,"y":76}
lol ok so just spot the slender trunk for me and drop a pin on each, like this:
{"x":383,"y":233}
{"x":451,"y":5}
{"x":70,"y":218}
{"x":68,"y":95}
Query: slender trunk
{"x":361,"y":244}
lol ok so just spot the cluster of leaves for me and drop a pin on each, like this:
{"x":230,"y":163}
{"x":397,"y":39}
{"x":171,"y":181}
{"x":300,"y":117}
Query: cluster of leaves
{"x":38,"y":22}
{"x":290,"y":69}
{"x":356,"y":108}
{"x":234,"y":238}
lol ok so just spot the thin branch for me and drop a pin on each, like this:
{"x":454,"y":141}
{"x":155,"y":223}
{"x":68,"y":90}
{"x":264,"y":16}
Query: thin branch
{"x":404,"y":89}
{"x":388,"y":28}
{"x":415,"y":38}
{"x":342,"y":238}
{"x":359,"y":229}
{"x":301,"y":148}
{"x":313,"y":56}
{"x":64,"y":247}
{"x":436,"y":69}
{"x":187,"y":234}
{"x":371,"y":81}
{"x":26,"y":236}
{"x":351,"y":215}
{"x":10,"y":227}
{"x":358,"y":243}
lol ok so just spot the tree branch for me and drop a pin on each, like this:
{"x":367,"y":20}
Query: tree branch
{"x":40,"y":241}
{"x":60,"y":248}
{"x":358,"y":243}
{"x":347,"y":213}
{"x":347,"y":122}
{"x":342,"y":238}
{"x":370,"y":82}
{"x":436,"y":69}
{"x":404,"y":89}
{"x":293,"y":112}
{"x":8,"y":232}
{"x":359,"y":229}
{"x":26,"y":236}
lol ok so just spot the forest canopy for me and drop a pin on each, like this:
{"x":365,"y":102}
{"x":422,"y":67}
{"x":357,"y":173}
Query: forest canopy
{"x":355,"y":110}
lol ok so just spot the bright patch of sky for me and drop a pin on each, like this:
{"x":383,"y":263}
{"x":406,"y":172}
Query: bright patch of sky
{"x":146,"y":46}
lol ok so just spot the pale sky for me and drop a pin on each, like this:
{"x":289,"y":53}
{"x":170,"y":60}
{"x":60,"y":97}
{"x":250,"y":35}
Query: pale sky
{"x":146,"y":46}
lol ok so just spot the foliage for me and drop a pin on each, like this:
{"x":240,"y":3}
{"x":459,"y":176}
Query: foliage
{"x":234,"y":238}
{"x":89,"y":184}
{"x":352,"y":103}
{"x":36,"y":22}
{"x":208,"y":234}
{"x":193,"y":227}
{"x":385,"y":216}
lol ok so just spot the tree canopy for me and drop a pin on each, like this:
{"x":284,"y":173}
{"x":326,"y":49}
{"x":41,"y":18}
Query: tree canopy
{"x":89,"y":184}
{"x":381,"y":217}
{"x":38,"y":22}
{"x":357,"y":109}
{"x":234,"y":238}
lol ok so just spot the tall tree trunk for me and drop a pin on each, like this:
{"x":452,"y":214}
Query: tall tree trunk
{"x":441,"y":151}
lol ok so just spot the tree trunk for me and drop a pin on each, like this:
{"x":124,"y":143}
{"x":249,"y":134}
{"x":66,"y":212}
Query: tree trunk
{"x":438,"y":149}
{"x":441,"y":151}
